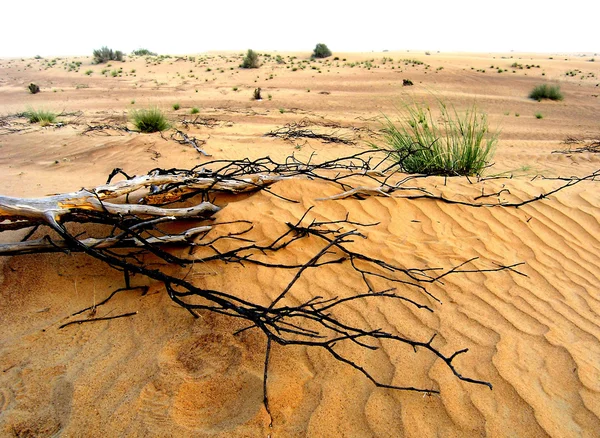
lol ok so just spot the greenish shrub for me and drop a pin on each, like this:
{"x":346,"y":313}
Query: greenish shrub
{"x":461,"y":144}
{"x":250,"y":60}
{"x":194,"y":110}
{"x":89,"y":72}
{"x":105,"y":54}
{"x":176,"y":106}
{"x":149,"y":120}
{"x":539,"y":116}
{"x":546,"y":91}
{"x":41,"y":116}
{"x":143,"y":52}
{"x":321,"y":51}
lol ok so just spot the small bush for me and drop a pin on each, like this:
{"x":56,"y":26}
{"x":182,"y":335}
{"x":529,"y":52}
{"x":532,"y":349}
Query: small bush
{"x":546,"y":91}
{"x":149,"y":120}
{"x":321,"y":51}
{"x":407,"y":83}
{"x":43,"y":117}
{"x":256,"y":94}
{"x":176,"y":106}
{"x":33,"y":88}
{"x":539,"y":116}
{"x":105,"y":54}
{"x":458,"y":145}
{"x":194,"y":110}
{"x":250,"y":60}
{"x":143,"y":52}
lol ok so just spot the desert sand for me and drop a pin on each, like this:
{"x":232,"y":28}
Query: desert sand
{"x":535,"y":338}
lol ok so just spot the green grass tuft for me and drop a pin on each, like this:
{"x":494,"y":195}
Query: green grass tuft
{"x":194,"y":110}
{"x":41,"y":116}
{"x":461,"y":144}
{"x":176,"y":106}
{"x":546,"y":91}
{"x":149,"y":120}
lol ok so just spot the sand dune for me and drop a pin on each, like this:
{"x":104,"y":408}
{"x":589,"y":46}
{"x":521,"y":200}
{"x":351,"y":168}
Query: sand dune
{"x":535,"y":337}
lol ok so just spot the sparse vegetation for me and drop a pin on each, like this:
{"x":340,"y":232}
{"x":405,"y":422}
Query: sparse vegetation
{"x":143,"y":52}
{"x":105,"y":54}
{"x":194,"y":110}
{"x":250,"y":60}
{"x":149,"y":120}
{"x":321,"y":51}
{"x":33,"y":88}
{"x":546,"y":91}
{"x":461,"y":145}
{"x":256,"y":94}
{"x":41,"y":116}
{"x":407,"y":82}
{"x":176,"y":106}
{"x":539,"y":116}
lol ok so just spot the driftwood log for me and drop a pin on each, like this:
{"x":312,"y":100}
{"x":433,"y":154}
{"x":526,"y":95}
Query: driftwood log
{"x":137,"y":208}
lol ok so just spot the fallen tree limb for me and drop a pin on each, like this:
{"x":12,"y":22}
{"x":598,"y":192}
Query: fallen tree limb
{"x":138,"y":228}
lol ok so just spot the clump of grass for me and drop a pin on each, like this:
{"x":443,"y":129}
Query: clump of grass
{"x":149,"y":120}
{"x":194,"y":110}
{"x":176,"y":106}
{"x":546,"y":91}
{"x":41,"y":116}
{"x":539,"y":116}
{"x":461,"y":144}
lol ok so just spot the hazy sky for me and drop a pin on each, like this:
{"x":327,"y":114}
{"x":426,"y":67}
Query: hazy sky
{"x":67,"y":27}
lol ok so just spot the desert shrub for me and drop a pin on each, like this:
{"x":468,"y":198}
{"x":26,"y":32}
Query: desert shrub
{"x":250,"y":60}
{"x":105,"y":54}
{"x":41,"y":116}
{"x":143,"y":52}
{"x":321,"y":51}
{"x":460,"y":144}
{"x":407,"y":83}
{"x":33,"y":88}
{"x":546,"y":91}
{"x":194,"y":110}
{"x":539,"y":116}
{"x":149,"y":120}
{"x":256,"y":94}
{"x":176,"y":106}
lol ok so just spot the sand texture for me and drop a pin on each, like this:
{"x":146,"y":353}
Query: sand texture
{"x":535,"y":337}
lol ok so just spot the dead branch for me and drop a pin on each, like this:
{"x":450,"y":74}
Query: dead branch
{"x":592,"y":147}
{"x":182,"y":138}
{"x":140,"y":228}
{"x":104,"y":318}
{"x":293,"y":131}
{"x":105,"y":129}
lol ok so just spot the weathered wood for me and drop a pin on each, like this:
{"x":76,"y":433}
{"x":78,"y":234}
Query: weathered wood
{"x":48,"y":245}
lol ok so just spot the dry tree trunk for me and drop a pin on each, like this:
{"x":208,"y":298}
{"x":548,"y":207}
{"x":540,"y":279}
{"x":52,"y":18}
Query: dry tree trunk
{"x":136,"y":208}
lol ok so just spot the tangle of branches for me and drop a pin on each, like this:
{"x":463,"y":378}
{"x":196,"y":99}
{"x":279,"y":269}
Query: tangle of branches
{"x":137,"y":211}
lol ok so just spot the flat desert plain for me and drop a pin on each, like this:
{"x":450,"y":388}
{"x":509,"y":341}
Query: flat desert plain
{"x":532,"y":332}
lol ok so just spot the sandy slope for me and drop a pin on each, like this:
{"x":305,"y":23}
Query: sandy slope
{"x":536,"y":338}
